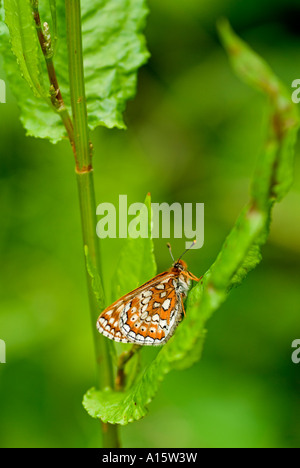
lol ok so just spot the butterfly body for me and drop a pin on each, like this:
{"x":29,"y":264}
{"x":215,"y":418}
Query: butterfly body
{"x":149,"y":314}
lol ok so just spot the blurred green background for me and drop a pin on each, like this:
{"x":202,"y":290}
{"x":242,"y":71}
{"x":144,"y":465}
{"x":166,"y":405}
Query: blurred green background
{"x":194,"y":134}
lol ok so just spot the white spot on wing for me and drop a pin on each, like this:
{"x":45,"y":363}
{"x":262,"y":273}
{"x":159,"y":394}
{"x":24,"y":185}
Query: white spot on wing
{"x":134,"y":318}
{"x":144,"y":315}
{"x":146,"y":300}
{"x":126,"y":328}
{"x":140,"y":338}
{"x":149,"y":340}
{"x":127,"y":307}
{"x":163,"y":324}
{"x":166,"y":304}
{"x":147,"y":293}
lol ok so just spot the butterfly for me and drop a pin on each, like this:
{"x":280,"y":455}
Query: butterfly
{"x":149,"y":314}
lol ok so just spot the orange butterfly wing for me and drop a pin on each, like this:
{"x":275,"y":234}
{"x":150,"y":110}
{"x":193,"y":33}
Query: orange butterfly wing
{"x":149,"y":314}
{"x":151,"y":317}
{"x":108,"y":323}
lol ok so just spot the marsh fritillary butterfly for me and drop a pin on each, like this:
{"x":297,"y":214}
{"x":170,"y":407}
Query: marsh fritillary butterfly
{"x":149,"y":314}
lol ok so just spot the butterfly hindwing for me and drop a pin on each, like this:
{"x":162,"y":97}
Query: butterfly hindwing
{"x":151,"y":317}
{"x":149,"y":314}
{"x":108,"y":323}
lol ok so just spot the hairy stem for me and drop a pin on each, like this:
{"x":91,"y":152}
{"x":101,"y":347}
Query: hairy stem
{"x":85,"y":181}
{"x":123,"y":360}
{"x":55,"y":93}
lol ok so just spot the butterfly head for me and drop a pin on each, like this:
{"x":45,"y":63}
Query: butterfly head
{"x":180,"y":265}
{"x":180,"y":268}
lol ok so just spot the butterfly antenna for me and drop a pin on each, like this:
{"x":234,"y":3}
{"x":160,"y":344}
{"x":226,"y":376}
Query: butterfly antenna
{"x":191,"y":246}
{"x":170,"y":250}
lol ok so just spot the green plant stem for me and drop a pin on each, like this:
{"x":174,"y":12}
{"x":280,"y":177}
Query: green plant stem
{"x":56,"y":96}
{"x":124,"y":358}
{"x":85,"y":181}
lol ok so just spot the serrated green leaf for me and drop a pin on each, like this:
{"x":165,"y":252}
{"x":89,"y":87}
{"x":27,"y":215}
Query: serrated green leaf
{"x":114,"y":48}
{"x":276,"y":161}
{"x":37,"y":116}
{"x":24,"y":43}
{"x":137,"y":262}
{"x":239,"y":255}
{"x":274,"y":172}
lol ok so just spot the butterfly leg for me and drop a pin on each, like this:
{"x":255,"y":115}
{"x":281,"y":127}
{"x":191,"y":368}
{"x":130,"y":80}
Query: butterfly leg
{"x":182,"y":306}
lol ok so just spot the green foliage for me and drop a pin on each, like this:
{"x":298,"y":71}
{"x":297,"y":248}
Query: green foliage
{"x":276,"y":161}
{"x":37,"y":115}
{"x":114,"y":49}
{"x":113,"y":52}
{"x":239,"y":254}
{"x":96,"y":280}
{"x":137,"y":260}
{"x":52,"y":5}
{"x":24,"y":43}
{"x":205,"y":144}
